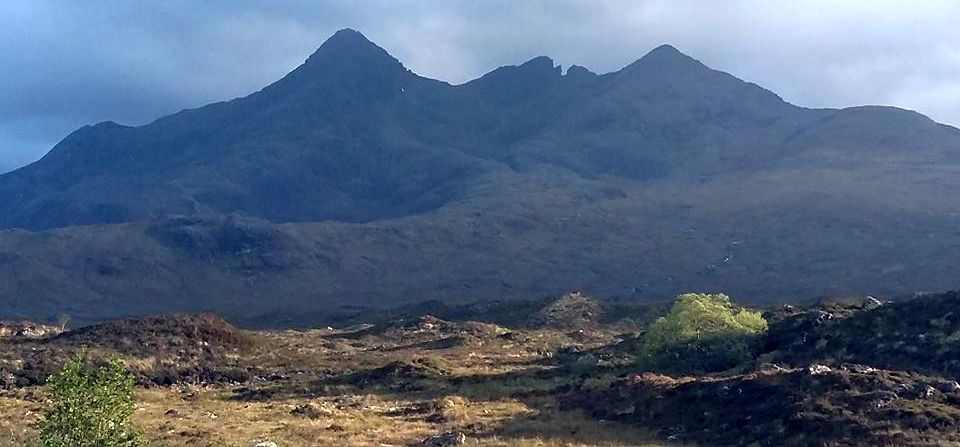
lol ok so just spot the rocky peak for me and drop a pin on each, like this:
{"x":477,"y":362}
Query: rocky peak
{"x":540,"y":66}
{"x":576,"y":71}
{"x":516,"y":83}
{"x":667,"y":62}
{"x":348,"y":44}
{"x":348,"y":62}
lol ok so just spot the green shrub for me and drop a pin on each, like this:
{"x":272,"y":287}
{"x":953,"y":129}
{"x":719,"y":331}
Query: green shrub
{"x":702,"y":333}
{"x":91,"y":408}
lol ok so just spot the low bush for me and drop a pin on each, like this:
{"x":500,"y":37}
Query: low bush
{"x":702,"y":333}
{"x":90,"y":407}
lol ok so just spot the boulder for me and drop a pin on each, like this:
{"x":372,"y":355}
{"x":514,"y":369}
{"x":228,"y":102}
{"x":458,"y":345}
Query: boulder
{"x":8,"y":381}
{"x":822,"y":316}
{"x":311,"y":410}
{"x":926,"y":392}
{"x":881,"y":398}
{"x":948,"y":386}
{"x":870,"y":302}
{"x":857,"y":368}
{"x":445,"y":440}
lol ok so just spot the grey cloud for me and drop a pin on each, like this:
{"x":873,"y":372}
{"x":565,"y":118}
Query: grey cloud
{"x":64,"y":64}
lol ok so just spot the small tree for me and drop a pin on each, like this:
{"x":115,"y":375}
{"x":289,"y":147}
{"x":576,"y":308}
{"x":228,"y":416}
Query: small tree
{"x":702,"y":333}
{"x":63,"y":322}
{"x":91,"y":408}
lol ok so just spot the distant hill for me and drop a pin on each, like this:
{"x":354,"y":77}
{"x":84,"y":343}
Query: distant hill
{"x":354,"y":180}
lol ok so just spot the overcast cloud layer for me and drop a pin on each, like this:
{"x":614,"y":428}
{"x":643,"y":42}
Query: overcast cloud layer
{"x":64,"y":64}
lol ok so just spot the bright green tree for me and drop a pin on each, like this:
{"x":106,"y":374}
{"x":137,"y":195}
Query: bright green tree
{"x":702,"y":333}
{"x":91,"y":408}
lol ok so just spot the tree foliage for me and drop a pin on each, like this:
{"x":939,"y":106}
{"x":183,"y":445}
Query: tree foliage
{"x":702,"y":333}
{"x":91,"y":408}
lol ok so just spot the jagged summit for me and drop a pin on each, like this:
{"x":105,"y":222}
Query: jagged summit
{"x":512,"y":84}
{"x":541,"y":64}
{"x":524,"y":182}
{"x":537,"y":68}
{"x":580,"y":72}
{"x":292,"y":137}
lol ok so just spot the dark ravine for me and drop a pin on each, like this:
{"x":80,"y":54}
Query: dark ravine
{"x":353,"y":180}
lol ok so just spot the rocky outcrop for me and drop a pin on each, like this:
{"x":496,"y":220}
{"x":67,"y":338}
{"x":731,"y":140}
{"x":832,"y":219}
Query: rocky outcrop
{"x":921,"y":333}
{"x":574,"y":310}
{"x":27,"y":329}
{"x":813,"y":405}
{"x":449,"y":439}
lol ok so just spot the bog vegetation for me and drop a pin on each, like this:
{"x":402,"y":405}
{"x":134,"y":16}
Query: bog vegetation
{"x":701,"y":333}
{"x":553,"y":372}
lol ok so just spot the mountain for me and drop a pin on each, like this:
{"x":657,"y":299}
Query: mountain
{"x":354,"y":180}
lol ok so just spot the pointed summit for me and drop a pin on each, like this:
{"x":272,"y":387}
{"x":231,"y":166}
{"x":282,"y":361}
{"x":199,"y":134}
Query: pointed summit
{"x":667,"y":58}
{"x":347,"y":37}
{"x":666,"y":50}
{"x":347,"y":63}
{"x":351,"y":45}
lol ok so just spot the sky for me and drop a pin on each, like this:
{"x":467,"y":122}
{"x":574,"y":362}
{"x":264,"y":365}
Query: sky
{"x":66,"y":63}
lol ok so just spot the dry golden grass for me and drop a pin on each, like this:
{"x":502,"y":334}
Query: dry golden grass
{"x":19,"y":412}
{"x":494,"y":389}
{"x":211,"y":418}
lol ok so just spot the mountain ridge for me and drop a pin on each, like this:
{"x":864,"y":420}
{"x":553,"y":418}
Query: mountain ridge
{"x":356,"y":179}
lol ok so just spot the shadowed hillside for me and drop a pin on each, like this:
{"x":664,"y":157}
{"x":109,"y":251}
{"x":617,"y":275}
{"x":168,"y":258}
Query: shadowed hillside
{"x":353,"y":180}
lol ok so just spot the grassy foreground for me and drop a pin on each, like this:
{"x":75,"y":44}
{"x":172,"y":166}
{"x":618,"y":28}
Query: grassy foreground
{"x":204,"y":383}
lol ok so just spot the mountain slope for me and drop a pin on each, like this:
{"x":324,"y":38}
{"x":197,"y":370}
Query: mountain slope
{"x":361,"y":181}
{"x":351,"y":135}
{"x":321,"y":143}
